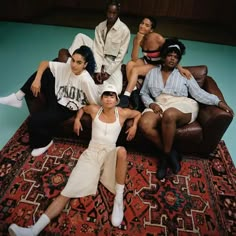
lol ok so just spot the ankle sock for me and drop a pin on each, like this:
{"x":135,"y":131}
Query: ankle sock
{"x":11,"y":100}
{"x":39,"y":151}
{"x":126,"y":93}
{"x":20,"y":95}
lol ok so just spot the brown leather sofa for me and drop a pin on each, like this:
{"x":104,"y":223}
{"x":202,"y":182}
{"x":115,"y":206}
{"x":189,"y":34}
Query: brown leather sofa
{"x":198,"y":138}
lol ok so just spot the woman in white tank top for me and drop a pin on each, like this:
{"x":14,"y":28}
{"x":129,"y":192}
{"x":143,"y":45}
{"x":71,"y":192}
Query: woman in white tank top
{"x":101,"y":161}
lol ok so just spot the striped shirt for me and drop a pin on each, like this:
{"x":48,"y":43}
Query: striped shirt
{"x":176,"y":85}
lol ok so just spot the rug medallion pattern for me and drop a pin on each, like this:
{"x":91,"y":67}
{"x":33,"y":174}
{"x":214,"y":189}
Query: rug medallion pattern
{"x":200,"y":200}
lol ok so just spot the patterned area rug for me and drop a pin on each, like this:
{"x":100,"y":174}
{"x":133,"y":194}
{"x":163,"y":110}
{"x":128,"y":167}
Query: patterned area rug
{"x":200,"y":200}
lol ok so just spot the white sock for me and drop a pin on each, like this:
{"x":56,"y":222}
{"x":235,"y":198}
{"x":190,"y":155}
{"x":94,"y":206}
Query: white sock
{"x":135,"y":88}
{"x":11,"y":100}
{"x":39,"y":151}
{"x":118,"y":207}
{"x":42,"y":222}
{"x":20,"y":95}
{"x":126,"y":93}
{"x":119,"y":191}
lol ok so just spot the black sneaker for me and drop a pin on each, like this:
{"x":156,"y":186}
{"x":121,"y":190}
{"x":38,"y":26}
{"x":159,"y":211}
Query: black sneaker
{"x":135,"y":99}
{"x":124,"y":101}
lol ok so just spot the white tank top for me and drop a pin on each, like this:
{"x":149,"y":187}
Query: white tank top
{"x":105,"y":133}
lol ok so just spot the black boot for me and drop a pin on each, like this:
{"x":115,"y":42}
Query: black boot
{"x":162,"y":168}
{"x":174,"y":160}
{"x":124,"y":101}
{"x":135,"y":99}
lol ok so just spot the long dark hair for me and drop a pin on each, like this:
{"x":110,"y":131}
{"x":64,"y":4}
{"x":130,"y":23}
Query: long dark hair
{"x":152,"y":20}
{"x":87,"y":54}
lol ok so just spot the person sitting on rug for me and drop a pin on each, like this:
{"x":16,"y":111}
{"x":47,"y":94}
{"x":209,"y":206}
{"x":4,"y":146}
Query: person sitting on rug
{"x":71,"y":88}
{"x":151,"y":46}
{"x":165,"y":96}
{"x":109,"y":46}
{"x":102,"y":160}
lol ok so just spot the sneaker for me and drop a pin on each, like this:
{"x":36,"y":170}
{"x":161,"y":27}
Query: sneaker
{"x":15,"y":230}
{"x":11,"y":100}
{"x":124,"y":101}
{"x":39,"y":151}
{"x":117,"y":213}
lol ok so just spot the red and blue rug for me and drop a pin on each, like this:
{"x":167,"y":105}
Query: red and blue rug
{"x":200,"y":200}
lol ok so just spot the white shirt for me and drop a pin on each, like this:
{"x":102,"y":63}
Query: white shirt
{"x":110,"y":49}
{"x":70,"y":88}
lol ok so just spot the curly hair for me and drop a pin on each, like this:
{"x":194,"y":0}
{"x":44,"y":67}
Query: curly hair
{"x":87,"y":54}
{"x":172,"y":45}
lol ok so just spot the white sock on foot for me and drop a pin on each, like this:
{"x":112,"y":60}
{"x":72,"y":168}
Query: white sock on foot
{"x":11,"y":100}
{"x":15,"y":230}
{"x":42,"y":222}
{"x":20,"y":95}
{"x":38,"y":151}
{"x":118,"y":207}
{"x":126,"y":93}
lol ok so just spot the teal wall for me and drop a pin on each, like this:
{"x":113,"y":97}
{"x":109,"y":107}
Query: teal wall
{"x":23,"y":46}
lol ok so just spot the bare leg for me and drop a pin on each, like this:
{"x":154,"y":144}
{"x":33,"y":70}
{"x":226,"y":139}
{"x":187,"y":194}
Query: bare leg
{"x":136,"y":71}
{"x":121,"y":165}
{"x":148,"y":124}
{"x":52,"y":211}
{"x":171,"y":119}
{"x":56,"y":206}
{"x":131,"y":64}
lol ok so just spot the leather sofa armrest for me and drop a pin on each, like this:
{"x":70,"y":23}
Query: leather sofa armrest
{"x":211,"y":87}
{"x":214,"y":122}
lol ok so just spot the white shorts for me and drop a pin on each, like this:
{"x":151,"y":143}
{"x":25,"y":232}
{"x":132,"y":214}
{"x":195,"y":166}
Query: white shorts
{"x":183,"y":104}
{"x":95,"y":163}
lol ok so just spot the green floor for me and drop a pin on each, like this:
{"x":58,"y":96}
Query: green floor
{"x":23,"y":46}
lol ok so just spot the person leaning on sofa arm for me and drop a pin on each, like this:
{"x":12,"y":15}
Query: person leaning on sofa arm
{"x":165,"y":95}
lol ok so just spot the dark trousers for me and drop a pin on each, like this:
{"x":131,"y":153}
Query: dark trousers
{"x":42,"y":124}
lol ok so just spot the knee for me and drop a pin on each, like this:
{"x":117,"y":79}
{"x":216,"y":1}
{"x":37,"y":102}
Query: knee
{"x":122,"y":154}
{"x":168,"y":116}
{"x":63,"y":55}
{"x":144,"y":125}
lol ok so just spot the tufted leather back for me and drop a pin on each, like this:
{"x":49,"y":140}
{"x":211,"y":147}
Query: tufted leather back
{"x":199,"y":73}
